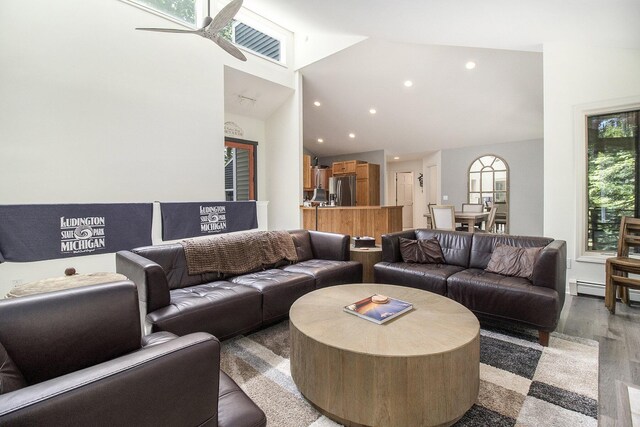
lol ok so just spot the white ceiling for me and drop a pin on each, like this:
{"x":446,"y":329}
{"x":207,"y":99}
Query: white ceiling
{"x":248,"y":95}
{"x":448,"y":106}
{"x":429,"y":41}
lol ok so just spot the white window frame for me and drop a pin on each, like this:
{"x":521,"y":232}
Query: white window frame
{"x":581,"y":114}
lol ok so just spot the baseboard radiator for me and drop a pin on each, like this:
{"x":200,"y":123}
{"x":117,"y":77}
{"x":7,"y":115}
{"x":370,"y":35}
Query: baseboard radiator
{"x":592,"y":288}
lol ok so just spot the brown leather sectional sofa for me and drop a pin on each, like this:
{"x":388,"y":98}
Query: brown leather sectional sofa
{"x":76,"y":358}
{"x":180,"y":303}
{"x":536,"y":303}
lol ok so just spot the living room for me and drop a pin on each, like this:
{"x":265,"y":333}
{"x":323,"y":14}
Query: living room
{"x":96,"y":112}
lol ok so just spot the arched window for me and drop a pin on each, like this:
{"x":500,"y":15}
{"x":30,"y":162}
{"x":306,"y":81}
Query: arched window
{"x":489,"y":184}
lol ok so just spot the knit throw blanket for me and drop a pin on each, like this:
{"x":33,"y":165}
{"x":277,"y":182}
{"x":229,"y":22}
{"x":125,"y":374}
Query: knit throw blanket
{"x":238,"y":253}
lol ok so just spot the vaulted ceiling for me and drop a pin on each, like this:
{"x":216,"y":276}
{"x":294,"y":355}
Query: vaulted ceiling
{"x":429,"y":42}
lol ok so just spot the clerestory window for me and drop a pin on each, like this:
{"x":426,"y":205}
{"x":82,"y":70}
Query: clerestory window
{"x":183,"y":11}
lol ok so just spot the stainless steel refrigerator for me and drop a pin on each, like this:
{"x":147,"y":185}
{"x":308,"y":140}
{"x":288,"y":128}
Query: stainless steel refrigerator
{"x":344,"y":188}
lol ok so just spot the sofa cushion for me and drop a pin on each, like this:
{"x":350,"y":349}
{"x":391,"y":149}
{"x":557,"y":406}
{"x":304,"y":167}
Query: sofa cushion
{"x":329,"y":273}
{"x":428,"y":277}
{"x":10,"y":376}
{"x":220,"y":308}
{"x":235,"y":408}
{"x":172,"y":260}
{"x":484,"y":245}
{"x":512,"y":298}
{"x":455,"y":245}
{"x":511,"y":261}
{"x":302,"y":242}
{"x":279,"y":290}
{"x":421,"y":251}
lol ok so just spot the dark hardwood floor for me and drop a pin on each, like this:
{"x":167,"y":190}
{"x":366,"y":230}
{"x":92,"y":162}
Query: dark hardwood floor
{"x":619,"y":339}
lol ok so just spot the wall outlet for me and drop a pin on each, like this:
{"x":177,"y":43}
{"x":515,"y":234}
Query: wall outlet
{"x":445,"y":197}
{"x":568,"y":263}
{"x":16,"y":282}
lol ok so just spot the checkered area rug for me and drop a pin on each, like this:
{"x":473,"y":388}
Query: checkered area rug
{"x":521,"y":382}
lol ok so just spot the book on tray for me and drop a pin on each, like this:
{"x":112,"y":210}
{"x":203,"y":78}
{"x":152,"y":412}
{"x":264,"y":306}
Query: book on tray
{"x":378,"y":308}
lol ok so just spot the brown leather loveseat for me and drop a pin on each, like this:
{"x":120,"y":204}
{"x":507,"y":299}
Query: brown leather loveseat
{"x":76,"y":357}
{"x":225,"y":306}
{"x":535,"y":302}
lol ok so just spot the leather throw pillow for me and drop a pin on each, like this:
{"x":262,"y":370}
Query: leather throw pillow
{"x":512,"y":261}
{"x":421,"y":251}
{"x":10,"y":376}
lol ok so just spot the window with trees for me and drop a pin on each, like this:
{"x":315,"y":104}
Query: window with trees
{"x":612,"y":176}
{"x":182,"y":10}
{"x":239,"y":169}
{"x":489,"y":185}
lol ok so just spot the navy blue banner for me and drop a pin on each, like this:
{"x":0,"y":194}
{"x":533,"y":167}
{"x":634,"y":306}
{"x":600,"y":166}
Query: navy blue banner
{"x":39,"y":232}
{"x":192,"y":219}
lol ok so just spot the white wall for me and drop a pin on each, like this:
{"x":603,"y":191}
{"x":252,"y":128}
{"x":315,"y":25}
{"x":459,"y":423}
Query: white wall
{"x":578,"y":77}
{"x":525,"y":161}
{"x":419,"y":194}
{"x":315,"y":46}
{"x":93,"y":111}
{"x":284,"y":162}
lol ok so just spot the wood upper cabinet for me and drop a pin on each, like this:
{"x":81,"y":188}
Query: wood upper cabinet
{"x":367,"y":184}
{"x":306,"y":172}
{"x":346,"y":167}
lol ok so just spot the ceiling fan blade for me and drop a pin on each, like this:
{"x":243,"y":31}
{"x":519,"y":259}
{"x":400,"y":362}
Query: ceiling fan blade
{"x":168,"y":30}
{"x":224,"y":16}
{"x":230,"y":48}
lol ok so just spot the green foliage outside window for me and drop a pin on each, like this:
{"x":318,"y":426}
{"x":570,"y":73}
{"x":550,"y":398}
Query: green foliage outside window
{"x":184,"y":10}
{"x":612,"y":182}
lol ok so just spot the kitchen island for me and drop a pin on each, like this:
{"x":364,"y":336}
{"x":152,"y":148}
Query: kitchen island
{"x":371,"y":221}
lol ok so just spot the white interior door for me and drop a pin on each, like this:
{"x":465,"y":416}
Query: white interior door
{"x":404,"y":197}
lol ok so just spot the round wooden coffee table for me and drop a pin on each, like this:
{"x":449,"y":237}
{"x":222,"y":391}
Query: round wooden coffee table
{"x":419,"y":369}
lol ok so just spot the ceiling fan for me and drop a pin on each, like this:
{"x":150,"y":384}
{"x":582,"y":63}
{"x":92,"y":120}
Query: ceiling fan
{"x":211,"y":28}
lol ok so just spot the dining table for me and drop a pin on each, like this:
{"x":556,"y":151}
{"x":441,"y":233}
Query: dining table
{"x":468,"y":218}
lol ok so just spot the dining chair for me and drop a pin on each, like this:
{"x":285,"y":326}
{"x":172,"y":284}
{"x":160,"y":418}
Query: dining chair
{"x":617,"y":268}
{"x":443,"y":217}
{"x":491,"y":221}
{"x":429,"y":217}
{"x":472,"y":207}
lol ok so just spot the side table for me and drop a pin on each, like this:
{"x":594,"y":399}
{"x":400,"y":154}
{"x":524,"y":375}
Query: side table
{"x":368,"y":257}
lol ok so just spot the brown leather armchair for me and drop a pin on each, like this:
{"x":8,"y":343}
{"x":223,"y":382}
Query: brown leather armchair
{"x":76,"y":357}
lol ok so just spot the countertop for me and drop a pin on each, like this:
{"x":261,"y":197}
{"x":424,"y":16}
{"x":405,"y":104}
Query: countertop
{"x":350,"y":207}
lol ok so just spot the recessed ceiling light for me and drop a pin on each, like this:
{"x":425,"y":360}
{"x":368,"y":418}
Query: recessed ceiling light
{"x":317,"y":103}
{"x":408,"y":83}
{"x":352,"y":135}
{"x":372,"y":110}
{"x":396,"y":158}
{"x":320,"y":140}
{"x":470,"y":65}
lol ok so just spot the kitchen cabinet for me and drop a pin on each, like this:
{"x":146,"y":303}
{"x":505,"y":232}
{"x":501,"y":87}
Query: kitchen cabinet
{"x":346,"y":167}
{"x":306,"y":172}
{"x":367,"y":184}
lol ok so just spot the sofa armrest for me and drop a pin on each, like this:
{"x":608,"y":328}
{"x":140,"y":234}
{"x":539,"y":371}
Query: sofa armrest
{"x":550,"y":269}
{"x":102,"y":395}
{"x":149,"y":277}
{"x":391,"y":245}
{"x":331,"y":246}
